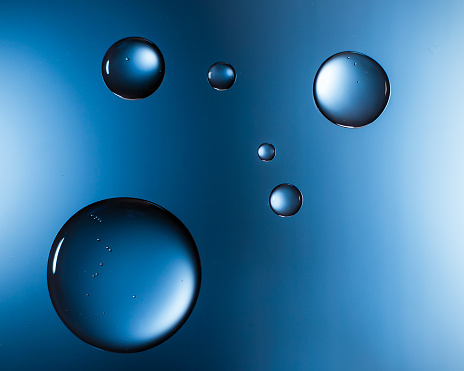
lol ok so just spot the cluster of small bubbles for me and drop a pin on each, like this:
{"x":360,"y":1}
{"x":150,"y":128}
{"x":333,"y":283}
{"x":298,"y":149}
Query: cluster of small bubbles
{"x":285,"y":200}
{"x":153,"y":248}
{"x":266,"y":152}
{"x":221,"y":76}
{"x":346,"y":94}
{"x":133,"y":68}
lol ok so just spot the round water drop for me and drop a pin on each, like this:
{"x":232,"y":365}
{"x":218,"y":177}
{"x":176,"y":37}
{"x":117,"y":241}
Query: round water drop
{"x":351,"y":89}
{"x":285,"y":200}
{"x":221,"y":76}
{"x":153,"y":251}
{"x":133,"y":68}
{"x":266,"y":152}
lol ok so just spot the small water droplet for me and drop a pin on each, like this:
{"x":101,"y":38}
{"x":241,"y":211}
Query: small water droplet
{"x":101,"y":264}
{"x":98,"y":240}
{"x":93,"y":275}
{"x":86,"y":294}
{"x":133,"y":296}
{"x":341,"y":100}
{"x":96,"y":274}
{"x":266,"y":152}
{"x":110,"y":250}
{"x":107,"y":247}
{"x":221,"y":76}
{"x":285,"y":200}
{"x":138,"y":79}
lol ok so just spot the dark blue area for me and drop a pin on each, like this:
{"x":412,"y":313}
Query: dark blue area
{"x":366,"y":276}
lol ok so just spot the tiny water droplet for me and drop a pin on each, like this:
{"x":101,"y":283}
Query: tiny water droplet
{"x":221,"y":76}
{"x":266,"y":152}
{"x":93,"y":275}
{"x":98,"y":240}
{"x":86,"y":294}
{"x":133,"y":296}
{"x":110,"y":250}
{"x":101,"y":264}
{"x":127,"y":59}
{"x":285,"y":200}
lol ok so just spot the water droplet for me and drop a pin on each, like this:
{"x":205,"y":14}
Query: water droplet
{"x":266,"y":152}
{"x":341,"y":100}
{"x":110,"y":250}
{"x":285,"y":200}
{"x":98,"y":240}
{"x":93,"y":275}
{"x":96,"y":274}
{"x":85,"y":295}
{"x":221,"y":76}
{"x":133,"y":296}
{"x":142,"y":76}
{"x":153,"y":249}
{"x":101,"y":264}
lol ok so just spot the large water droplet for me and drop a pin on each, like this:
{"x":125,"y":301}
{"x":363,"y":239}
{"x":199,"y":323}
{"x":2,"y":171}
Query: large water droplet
{"x":221,"y":76}
{"x":133,"y":68}
{"x":285,"y":200}
{"x":153,"y":252}
{"x":266,"y":152}
{"x":351,"y":89}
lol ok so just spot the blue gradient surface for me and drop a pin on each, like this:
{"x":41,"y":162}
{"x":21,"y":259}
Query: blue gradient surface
{"x":366,"y":276}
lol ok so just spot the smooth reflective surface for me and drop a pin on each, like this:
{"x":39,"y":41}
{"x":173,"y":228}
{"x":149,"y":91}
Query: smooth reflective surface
{"x":221,"y":76}
{"x":285,"y":200}
{"x":266,"y":152}
{"x":351,"y":89}
{"x":133,"y":68}
{"x":127,"y":283}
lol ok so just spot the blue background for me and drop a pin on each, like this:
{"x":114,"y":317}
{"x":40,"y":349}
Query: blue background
{"x":367,"y":276}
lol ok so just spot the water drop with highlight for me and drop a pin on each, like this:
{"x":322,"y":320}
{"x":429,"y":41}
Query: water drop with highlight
{"x":351,"y":89}
{"x":221,"y":76}
{"x":153,"y":252}
{"x":133,"y":68}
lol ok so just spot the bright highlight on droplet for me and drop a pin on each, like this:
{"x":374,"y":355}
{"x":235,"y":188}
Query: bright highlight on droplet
{"x":351,"y":89}
{"x":266,"y":152}
{"x":221,"y":76}
{"x":139,"y":287}
{"x":285,"y":200}
{"x":133,"y":68}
